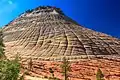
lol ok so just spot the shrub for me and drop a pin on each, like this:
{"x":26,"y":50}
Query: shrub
{"x":2,"y":53}
{"x":45,"y":77}
{"x":99,"y":75}
{"x":9,"y":70}
{"x":65,"y":68}
{"x":52,"y":72}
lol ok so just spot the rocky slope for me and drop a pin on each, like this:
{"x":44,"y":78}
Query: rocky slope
{"x":83,"y":69}
{"x":47,"y":32}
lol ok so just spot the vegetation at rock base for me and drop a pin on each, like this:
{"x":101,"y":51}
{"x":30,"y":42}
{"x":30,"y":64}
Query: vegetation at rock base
{"x":65,"y":68}
{"x":52,"y":74}
{"x":9,"y":69}
{"x":23,"y":75}
{"x":51,"y":71}
{"x":2,"y":53}
{"x":99,"y":75}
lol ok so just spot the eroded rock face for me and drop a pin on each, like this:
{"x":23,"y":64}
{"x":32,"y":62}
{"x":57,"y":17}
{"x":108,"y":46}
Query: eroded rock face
{"x":80,"y":70}
{"x":47,"y":32}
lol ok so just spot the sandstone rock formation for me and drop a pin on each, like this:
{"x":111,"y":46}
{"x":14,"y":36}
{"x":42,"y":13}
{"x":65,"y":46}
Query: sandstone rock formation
{"x":48,"y":32}
{"x":83,"y":69}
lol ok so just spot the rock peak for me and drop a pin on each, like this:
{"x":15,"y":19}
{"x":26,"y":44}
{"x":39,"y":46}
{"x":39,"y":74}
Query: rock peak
{"x":45,"y":9}
{"x":46,"y":32}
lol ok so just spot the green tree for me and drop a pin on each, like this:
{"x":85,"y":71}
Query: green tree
{"x":52,"y":72}
{"x":9,"y":70}
{"x":2,"y":53}
{"x":99,"y":75}
{"x":65,"y":68}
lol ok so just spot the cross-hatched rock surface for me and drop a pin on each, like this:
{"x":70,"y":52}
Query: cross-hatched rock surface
{"x":48,"y":32}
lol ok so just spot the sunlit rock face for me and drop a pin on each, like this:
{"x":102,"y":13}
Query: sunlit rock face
{"x":48,"y":32}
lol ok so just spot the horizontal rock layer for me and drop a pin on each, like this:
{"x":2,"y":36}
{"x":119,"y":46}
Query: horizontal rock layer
{"x":80,"y":69}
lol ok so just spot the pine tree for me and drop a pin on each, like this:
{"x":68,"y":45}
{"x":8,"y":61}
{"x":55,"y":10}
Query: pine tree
{"x":99,"y":75}
{"x":65,"y":68}
{"x":9,"y":70}
{"x":2,"y":53}
{"x":52,"y":72}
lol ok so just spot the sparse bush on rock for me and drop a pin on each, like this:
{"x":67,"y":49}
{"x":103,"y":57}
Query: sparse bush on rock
{"x":99,"y":75}
{"x":52,"y":72}
{"x":65,"y":68}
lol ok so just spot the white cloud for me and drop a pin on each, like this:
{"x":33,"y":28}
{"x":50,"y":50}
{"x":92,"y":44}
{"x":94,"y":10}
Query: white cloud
{"x":10,"y":2}
{"x":7,"y":7}
{"x":4,"y":2}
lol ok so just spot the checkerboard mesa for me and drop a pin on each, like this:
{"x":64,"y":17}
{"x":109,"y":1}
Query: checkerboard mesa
{"x":47,"y":32}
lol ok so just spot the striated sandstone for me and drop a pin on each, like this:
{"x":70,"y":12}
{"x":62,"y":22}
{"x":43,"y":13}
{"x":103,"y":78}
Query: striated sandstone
{"x":47,"y":32}
{"x":83,"y":69}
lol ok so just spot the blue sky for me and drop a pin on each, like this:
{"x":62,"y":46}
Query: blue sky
{"x":99,"y":15}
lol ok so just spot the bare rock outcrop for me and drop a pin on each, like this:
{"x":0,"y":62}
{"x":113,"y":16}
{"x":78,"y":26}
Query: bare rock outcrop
{"x":48,"y":32}
{"x":80,"y":70}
